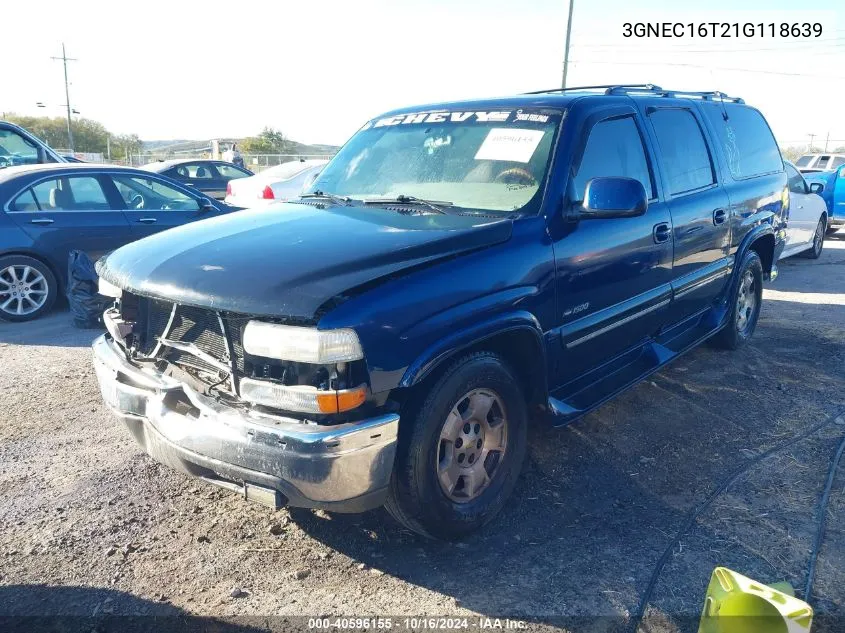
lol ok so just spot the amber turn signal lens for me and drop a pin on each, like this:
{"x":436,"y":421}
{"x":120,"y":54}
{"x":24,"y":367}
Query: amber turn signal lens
{"x":344,"y":400}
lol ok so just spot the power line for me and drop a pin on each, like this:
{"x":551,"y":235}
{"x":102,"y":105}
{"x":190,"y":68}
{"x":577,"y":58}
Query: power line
{"x":670,"y":49}
{"x":680,"y":46}
{"x":736,"y":70}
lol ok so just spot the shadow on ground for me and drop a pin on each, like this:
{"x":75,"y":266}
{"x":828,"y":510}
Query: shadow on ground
{"x":55,"y":329}
{"x":88,"y":609}
{"x":601,"y":500}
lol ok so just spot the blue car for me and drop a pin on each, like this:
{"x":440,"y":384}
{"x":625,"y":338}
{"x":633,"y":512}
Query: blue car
{"x":457,"y":272}
{"x":50,"y":209}
{"x":833,"y":195}
{"x":19,"y":147}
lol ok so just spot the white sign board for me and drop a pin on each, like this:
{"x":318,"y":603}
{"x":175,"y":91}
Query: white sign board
{"x":509,"y":144}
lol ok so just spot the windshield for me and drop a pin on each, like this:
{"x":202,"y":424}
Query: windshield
{"x":803,"y":161}
{"x":491,"y":161}
{"x":16,"y":150}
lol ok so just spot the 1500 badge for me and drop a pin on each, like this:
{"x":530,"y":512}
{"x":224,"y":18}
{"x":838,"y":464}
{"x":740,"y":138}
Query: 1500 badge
{"x":576,"y":309}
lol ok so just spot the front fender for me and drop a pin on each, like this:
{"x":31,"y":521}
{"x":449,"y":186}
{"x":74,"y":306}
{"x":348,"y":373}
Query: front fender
{"x":474,"y":335}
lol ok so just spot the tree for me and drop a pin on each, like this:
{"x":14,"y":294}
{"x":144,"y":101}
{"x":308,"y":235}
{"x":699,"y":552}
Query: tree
{"x":123,"y":145}
{"x":88,"y":135}
{"x":270,"y":141}
{"x":791,"y":153}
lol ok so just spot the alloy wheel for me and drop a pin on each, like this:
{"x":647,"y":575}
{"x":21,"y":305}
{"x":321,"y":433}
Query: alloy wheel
{"x":23,"y":290}
{"x":472,"y":445}
{"x":818,"y":238}
{"x":746,"y":301}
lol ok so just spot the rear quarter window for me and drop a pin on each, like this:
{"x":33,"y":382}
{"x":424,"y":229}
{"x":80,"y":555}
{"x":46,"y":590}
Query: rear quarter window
{"x":746,"y":140}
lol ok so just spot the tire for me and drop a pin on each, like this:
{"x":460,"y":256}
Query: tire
{"x":815,"y":250}
{"x":20,"y":273}
{"x":417,"y":497}
{"x":832,"y":229}
{"x":739,"y":328}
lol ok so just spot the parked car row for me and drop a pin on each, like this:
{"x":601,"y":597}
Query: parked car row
{"x":212,"y":177}
{"x":48,"y":210}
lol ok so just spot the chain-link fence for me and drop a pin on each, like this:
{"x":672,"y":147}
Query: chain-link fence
{"x":253,"y":162}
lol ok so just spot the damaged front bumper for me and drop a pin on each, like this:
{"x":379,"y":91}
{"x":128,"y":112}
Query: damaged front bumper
{"x":268,"y":458}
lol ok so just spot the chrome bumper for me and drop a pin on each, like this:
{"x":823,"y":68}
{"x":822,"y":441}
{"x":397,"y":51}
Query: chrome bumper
{"x":270,"y":459}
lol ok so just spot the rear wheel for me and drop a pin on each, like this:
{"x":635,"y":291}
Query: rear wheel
{"x":746,"y":301}
{"x":27,"y":288}
{"x":815,"y":250}
{"x":461,"y":450}
{"x":832,"y":229}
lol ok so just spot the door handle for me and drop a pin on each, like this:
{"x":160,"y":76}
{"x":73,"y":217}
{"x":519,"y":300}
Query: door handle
{"x":147,"y":220}
{"x":661,"y":233}
{"x":41,"y":221}
{"x":719,"y":216}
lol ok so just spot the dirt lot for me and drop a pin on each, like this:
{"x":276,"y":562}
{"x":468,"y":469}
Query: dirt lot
{"x":90,"y":525}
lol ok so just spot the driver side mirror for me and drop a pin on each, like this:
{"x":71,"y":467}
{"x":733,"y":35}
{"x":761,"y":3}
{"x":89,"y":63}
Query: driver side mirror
{"x":613,"y":197}
{"x":816,"y":187}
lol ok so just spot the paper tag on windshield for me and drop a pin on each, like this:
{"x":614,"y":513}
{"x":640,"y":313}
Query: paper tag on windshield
{"x":510,"y":144}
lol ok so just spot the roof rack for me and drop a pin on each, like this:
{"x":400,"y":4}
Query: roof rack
{"x":619,"y":89}
{"x":607,"y":88}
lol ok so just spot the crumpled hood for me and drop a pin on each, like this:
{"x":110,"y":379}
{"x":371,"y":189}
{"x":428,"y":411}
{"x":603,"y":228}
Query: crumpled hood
{"x":288,"y":260}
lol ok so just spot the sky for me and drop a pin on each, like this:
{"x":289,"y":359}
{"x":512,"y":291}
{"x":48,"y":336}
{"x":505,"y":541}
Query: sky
{"x":319,"y":70}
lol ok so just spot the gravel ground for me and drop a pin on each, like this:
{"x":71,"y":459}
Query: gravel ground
{"x":92,"y":526}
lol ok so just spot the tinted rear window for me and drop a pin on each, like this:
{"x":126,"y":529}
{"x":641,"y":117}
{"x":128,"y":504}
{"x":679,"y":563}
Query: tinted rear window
{"x":683,"y":148}
{"x":746,"y":140}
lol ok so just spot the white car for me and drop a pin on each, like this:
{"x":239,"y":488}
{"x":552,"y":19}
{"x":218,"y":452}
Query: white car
{"x":808,"y":222}
{"x":275,"y":184}
{"x":820,"y":162}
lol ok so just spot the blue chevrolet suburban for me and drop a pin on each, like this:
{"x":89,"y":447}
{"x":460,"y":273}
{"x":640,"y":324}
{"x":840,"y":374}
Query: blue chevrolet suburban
{"x":457,"y":272}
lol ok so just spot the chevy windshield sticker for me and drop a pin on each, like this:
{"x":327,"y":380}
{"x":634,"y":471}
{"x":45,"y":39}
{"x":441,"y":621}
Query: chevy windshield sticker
{"x":444,"y":117}
{"x":509,"y":144}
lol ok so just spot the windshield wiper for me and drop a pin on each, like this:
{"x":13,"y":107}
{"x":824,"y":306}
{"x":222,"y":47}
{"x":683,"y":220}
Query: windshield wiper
{"x":403,"y":199}
{"x":343,"y":200}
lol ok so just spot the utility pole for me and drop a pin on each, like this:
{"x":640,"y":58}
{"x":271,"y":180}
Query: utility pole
{"x":812,"y":136}
{"x":826,"y":141}
{"x":65,"y":59}
{"x":566,"y":51}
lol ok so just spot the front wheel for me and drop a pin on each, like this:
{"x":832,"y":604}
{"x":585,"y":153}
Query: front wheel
{"x":815,"y":250}
{"x":746,"y":301}
{"x":460,"y":452}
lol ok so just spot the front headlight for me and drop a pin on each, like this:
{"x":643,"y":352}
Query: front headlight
{"x":108,"y":289}
{"x":301,"y":344}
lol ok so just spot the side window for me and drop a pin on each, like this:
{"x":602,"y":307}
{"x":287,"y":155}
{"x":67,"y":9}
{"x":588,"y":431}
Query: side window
{"x":199,"y":172}
{"x":230,"y":171}
{"x":151,"y":194}
{"x":16,"y":150}
{"x":77,"y":193}
{"x":746,"y":139}
{"x":823,"y":161}
{"x":684,"y":150}
{"x":24,"y":202}
{"x":87,"y":193}
{"x":837,"y":161}
{"x":796,"y":181}
{"x":614,"y":148}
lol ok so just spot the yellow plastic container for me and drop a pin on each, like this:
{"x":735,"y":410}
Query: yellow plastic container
{"x":737,"y":604}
